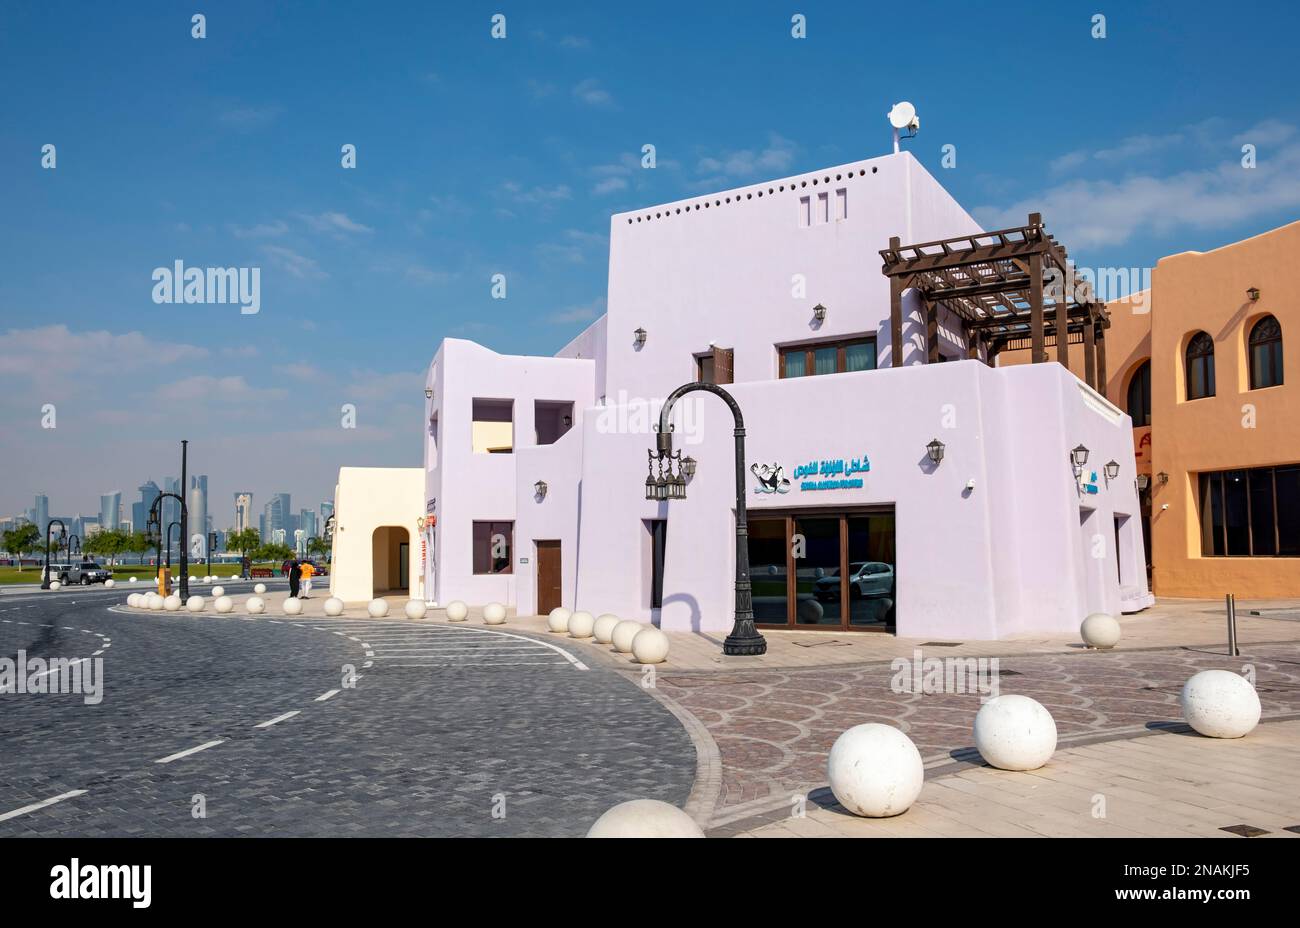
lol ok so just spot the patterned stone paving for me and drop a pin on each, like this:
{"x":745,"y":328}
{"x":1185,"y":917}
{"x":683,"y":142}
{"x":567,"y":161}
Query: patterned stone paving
{"x":774,"y":728}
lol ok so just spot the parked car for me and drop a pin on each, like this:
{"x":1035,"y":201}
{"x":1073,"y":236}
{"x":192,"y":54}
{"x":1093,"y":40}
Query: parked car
{"x":85,"y":573}
{"x":92,"y":572}
{"x":867,"y":580}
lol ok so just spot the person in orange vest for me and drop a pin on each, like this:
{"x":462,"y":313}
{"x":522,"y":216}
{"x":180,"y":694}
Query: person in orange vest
{"x":308,"y":571}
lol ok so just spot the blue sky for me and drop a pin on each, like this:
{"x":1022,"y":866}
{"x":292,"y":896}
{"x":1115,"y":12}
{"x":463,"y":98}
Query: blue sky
{"x":478,"y":156}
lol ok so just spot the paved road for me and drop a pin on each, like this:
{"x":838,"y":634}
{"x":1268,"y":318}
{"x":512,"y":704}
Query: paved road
{"x":447,"y":731}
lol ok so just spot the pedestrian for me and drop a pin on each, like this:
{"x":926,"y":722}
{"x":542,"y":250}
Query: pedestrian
{"x":246,"y":567}
{"x":295,"y":576}
{"x":308,"y":571}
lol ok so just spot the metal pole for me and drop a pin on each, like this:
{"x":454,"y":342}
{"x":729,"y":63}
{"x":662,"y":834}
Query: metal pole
{"x":1232,"y":625}
{"x":185,"y":531}
{"x":45,"y":574}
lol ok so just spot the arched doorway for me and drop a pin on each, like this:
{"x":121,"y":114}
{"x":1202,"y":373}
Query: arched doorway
{"x":390,"y":560}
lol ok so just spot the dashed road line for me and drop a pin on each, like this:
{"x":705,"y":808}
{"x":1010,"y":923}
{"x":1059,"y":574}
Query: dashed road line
{"x":188,"y":751}
{"x":279,"y":718}
{"x":4,"y":817}
{"x":327,"y":695}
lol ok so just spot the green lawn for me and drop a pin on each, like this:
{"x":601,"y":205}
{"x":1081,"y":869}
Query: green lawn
{"x":143,"y":572}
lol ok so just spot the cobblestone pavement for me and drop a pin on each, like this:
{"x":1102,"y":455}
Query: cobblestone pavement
{"x":774,"y":728}
{"x":443,"y":727}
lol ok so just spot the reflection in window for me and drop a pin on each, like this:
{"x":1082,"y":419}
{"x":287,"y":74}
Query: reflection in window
{"x":837,"y":357}
{"x":1265,"y":354}
{"x":1200,"y":366}
{"x":1250,"y":513}
{"x":493,"y":542}
{"x":1139,"y":395}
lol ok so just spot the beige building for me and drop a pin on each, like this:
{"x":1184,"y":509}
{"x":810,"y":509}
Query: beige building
{"x":376,"y":547}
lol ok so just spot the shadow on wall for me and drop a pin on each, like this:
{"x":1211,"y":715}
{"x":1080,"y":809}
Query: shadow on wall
{"x":656,"y":615}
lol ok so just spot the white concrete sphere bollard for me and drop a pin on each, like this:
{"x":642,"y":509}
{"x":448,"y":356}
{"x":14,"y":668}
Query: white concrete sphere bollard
{"x":207,"y":579}
{"x":457,"y":611}
{"x":292,"y":605}
{"x":811,"y":612}
{"x":1220,"y":704}
{"x":132,"y":580}
{"x":172,"y":603}
{"x":645,"y":818}
{"x":623,"y":634}
{"x":603,"y":629}
{"x":255,"y":605}
{"x":333,"y":606}
{"x":110,"y":583}
{"x":155,"y":602}
{"x":494,"y":614}
{"x":1100,"y":631}
{"x":378,"y":608}
{"x":650,"y":646}
{"x":1015,"y":733}
{"x":133,"y":600}
{"x":223,"y":604}
{"x":558,"y":620}
{"x":218,"y":591}
{"x":415,"y":609}
{"x":54,"y":584}
{"x":259,"y":588}
{"x":581,"y":624}
{"x":875,"y":770}
{"x":194,"y":604}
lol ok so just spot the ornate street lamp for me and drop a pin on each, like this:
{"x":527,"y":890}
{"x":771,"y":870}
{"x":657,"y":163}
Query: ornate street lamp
{"x":1112,"y":469}
{"x":173,"y":525}
{"x":63,"y":536}
{"x":667,"y":484}
{"x":71,"y":539}
{"x":1079,"y":457}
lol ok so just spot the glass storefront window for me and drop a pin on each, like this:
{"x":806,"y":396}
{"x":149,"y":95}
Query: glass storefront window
{"x":767,"y":571}
{"x":1250,"y":513}
{"x":871,"y":569}
{"x":818,"y":599}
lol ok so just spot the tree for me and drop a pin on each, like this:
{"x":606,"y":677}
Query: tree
{"x":245,"y":541}
{"x":275,"y":551}
{"x":111,"y":543}
{"x":23,"y":539}
{"x":318,"y":546}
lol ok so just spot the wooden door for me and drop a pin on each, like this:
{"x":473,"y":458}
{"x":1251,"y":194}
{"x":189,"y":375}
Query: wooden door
{"x":548,"y":576}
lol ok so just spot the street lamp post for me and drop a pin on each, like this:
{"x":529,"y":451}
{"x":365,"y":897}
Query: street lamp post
{"x":329,"y":538}
{"x":744,"y":638}
{"x":170,"y":526}
{"x":71,"y":538}
{"x":63,"y":534}
{"x":185,"y":561}
{"x":154,"y":534}
{"x":212,"y":543}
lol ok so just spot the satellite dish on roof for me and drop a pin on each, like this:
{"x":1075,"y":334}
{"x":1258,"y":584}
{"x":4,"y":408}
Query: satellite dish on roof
{"x":903,"y":115}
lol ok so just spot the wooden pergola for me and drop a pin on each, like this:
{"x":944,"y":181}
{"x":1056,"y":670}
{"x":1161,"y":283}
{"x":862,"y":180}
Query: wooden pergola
{"x":993,"y":282}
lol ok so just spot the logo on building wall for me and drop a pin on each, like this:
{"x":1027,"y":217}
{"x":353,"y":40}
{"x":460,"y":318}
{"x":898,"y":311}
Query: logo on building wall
{"x":771,"y":478}
{"x":1088,"y":482}
{"x":832,"y":474}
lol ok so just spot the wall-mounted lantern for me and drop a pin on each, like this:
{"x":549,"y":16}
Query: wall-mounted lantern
{"x":1112,"y":469}
{"x":934,"y":451}
{"x":540,"y":488}
{"x":819,"y":312}
{"x":1143,"y":481}
{"x":1253,"y":294}
{"x":568,"y":421}
{"x":428,"y":393}
{"x":1079,"y":458}
{"x":1163,"y":478}
{"x":638,"y":337}
{"x":688,"y":467}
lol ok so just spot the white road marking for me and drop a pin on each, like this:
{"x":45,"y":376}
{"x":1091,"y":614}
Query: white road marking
{"x":325,"y":696}
{"x":545,"y":644}
{"x":42,"y":804}
{"x":479,"y":648}
{"x":367,"y":664}
{"x":493,"y":664}
{"x":37,"y":676}
{"x":279,"y":718}
{"x":188,"y":751}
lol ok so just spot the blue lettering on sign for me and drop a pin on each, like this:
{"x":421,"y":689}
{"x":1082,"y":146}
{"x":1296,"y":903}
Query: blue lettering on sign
{"x":837,"y":473}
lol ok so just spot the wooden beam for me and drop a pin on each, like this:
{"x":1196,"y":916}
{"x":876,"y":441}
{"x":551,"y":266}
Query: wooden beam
{"x":1090,"y":356}
{"x":1063,"y":325}
{"x":973,"y":345}
{"x":1038,"y":353}
{"x":895,"y":314}
{"x":931,"y":332}
{"x":1101,"y":360}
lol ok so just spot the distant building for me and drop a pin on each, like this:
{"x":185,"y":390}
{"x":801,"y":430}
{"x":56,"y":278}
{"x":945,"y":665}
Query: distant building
{"x":198,"y":508}
{"x":243,"y":510}
{"x":140,"y":511}
{"x":110,"y":506}
{"x":40,"y":515}
{"x":277,"y":516}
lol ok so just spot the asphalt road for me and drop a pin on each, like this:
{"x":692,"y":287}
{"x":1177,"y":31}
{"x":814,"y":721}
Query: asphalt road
{"x":445,"y":731}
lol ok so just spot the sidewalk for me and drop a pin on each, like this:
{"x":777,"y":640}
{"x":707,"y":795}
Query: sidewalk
{"x":1176,"y":784}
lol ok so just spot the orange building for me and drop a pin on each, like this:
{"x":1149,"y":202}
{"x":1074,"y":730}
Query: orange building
{"x":1200,"y":363}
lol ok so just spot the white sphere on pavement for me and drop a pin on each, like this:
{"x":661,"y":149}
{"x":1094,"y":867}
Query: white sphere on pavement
{"x":194,"y":604}
{"x":172,"y":603}
{"x":1220,"y":704}
{"x":378,"y":608}
{"x":494,"y":614}
{"x":218,"y":591}
{"x":132,"y":580}
{"x":875,"y":770}
{"x":333,"y":606}
{"x":259,"y":588}
{"x":558,"y":620}
{"x":54,"y":584}
{"x":110,"y":583}
{"x":623,"y":635}
{"x":1100,"y":631}
{"x":415,"y":609}
{"x":292,"y":605}
{"x":156,"y":602}
{"x":603,"y":629}
{"x":457,"y":611}
{"x":650,"y":646}
{"x":133,"y":600}
{"x":207,"y":579}
{"x":255,"y":605}
{"x":581,"y":624}
{"x":223,"y":604}
{"x":1015,"y":733}
{"x":645,"y":818}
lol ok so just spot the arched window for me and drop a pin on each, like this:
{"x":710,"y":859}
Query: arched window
{"x":1200,"y":366}
{"x":1139,"y":395}
{"x":1265,"y":354}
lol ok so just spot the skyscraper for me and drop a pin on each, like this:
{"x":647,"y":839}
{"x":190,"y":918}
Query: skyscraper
{"x":198,"y":508}
{"x":41,"y":513}
{"x":243,"y":510}
{"x":307,"y":523}
{"x":110,"y":505}
{"x":140,"y":511}
{"x":326,"y":510}
{"x":277,"y":514}
{"x":171,"y":510}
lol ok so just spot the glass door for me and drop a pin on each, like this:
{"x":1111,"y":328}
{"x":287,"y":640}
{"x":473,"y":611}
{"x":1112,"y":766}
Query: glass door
{"x":819,"y":578}
{"x":767,"y":570}
{"x":872,"y":585}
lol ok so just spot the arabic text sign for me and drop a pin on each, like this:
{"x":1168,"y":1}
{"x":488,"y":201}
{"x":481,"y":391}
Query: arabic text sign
{"x":833,"y":473}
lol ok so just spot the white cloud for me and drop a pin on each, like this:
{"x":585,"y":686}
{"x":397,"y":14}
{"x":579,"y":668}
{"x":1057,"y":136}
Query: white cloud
{"x":48,"y":351}
{"x":536,"y":196}
{"x":272,"y":229}
{"x":585,"y":312}
{"x":332,"y":221}
{"x":293,"y":263}
{"x":228,"y":389}
{"x":773,"y":159}
{"x":609,"y":185}
{"x":591,"y":93}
